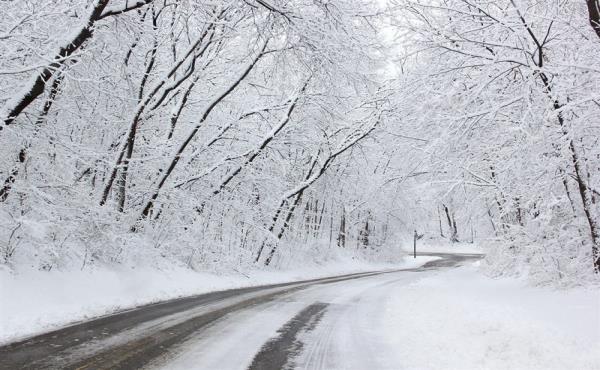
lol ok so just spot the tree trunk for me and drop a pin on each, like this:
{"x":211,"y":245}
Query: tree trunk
{"x":144,"y":104}
{"x":584,"y":191}
{"x":341,"y":239}
{"x":179,"y":153}
{"x":22,"y":157}
{"x":585,"y":195}
{"x":594,"y":15}
{"x":451,"y":225}
{"x":255,"y":153}
{"x":440,"y":222}
{"x":454,"y":228}
{"x":122,"y":182}
{"x":37,"y":84}
{"x":275,"y":218}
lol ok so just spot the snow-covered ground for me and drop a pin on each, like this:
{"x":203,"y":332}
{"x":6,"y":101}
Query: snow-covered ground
{"x":32,"y":301}
{"x":460,"y":319}
{"x":449,"y":319}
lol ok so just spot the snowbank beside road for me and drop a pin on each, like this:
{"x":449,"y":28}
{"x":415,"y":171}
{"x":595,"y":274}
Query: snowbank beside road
{"x":460,"y":319}
{"x":33,"y":302}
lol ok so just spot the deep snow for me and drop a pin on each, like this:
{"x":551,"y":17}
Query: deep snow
{"x":460,"y":319}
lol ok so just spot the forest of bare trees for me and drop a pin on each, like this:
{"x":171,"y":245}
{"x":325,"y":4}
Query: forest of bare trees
{"x":270,"y":132}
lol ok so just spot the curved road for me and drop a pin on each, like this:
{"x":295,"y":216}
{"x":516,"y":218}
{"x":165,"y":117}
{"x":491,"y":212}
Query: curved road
{"x":268,"y":327}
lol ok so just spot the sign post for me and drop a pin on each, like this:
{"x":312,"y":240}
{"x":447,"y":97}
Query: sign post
{"x":416,"y":237}
{"x":415,"y":245}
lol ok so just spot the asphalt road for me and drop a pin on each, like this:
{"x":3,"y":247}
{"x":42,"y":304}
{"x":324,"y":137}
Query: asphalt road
{"x":147,"y":336}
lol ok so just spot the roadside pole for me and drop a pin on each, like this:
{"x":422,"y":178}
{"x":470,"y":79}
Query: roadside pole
{"x":415,"y":245}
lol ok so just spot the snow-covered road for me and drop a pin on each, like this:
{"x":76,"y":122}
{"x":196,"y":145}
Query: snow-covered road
{"x":437,"y":317}
{"x":429,"y":319}
{"x":325,"y":326}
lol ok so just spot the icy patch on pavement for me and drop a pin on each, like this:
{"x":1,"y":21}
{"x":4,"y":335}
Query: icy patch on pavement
{"x":32,"y":301}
